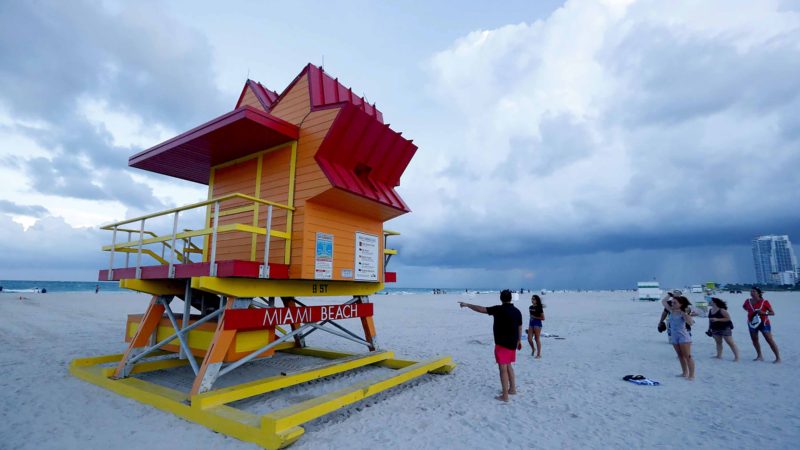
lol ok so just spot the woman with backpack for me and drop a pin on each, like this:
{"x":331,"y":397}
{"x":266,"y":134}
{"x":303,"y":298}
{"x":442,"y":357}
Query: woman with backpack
{"x":681,"y":340}
{"x":758,"y":312}
{"x":720,"y":327}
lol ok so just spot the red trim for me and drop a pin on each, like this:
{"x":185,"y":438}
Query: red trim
{"x":240,"y":132}
{"x":390,"y":277}
{"x":325,"y":91}
{"x":362,"y":156}
{"x":264,"y":95}
{"x":225,"y":269}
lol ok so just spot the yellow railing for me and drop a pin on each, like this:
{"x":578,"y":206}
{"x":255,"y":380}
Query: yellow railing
{"x":183,"y":255}
{"x":388,"y":252}
{"x":168,"y":241}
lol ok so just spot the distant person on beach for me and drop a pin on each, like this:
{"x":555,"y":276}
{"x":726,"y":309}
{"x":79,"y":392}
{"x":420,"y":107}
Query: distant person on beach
{"x":536,"y":311}
{"x":679,"y":316}
{"x":507,"y":329}
{"x":720,"y":326}
{"x":758,"y":312}
{"x":96,"y":288}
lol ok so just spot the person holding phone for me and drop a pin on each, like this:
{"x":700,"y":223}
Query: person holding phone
{"x":679,"y":317}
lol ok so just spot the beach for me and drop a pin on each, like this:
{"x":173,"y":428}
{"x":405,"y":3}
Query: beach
{"x":573,"y":397}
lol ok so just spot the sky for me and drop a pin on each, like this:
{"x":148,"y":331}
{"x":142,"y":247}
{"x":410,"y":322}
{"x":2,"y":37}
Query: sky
{"x":578,"y":144}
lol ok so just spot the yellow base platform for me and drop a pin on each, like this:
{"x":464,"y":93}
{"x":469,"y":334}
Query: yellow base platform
{"x":276,"y":429}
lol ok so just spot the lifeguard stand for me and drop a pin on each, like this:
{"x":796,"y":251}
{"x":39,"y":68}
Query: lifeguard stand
{"x":299,"y":186}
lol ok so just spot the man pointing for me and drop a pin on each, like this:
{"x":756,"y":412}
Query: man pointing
{"x":507,"y":330}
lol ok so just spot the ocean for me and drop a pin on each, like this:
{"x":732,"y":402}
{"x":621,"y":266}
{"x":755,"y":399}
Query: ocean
{"x":29,"y":286}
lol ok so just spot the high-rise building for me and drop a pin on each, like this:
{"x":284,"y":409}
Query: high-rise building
{"x":774,"y":260}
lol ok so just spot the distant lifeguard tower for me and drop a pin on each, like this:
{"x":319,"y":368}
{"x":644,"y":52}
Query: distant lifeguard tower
{"x":299,"y":186}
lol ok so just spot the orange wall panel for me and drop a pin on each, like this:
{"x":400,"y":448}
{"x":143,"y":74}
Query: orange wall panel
{"x":343,"y":226}
{"x":250,"y":99}
{"x":318,"y":207}
{"x":294,"y":106}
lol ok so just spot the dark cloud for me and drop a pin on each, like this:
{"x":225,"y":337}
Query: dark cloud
{"x":56,"y":56}
{"x":10,"y":207}
{"x":138,"y":60}
{"x":596,"y":270}
{"x":649,"y":132}
{"x":63,"y":176}
{"x":562,"y":140}
{"x":674,"y":76}
{"x":32,"y":250}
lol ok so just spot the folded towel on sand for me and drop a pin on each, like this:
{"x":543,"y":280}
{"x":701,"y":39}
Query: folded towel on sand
{"x":640,"y":380}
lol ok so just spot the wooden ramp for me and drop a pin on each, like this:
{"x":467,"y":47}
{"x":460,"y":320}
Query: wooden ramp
{"x":273,"y":430}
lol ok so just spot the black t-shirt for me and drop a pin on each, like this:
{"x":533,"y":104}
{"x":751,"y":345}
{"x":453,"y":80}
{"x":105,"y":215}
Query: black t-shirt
{"x":535,"y":311}
{"x":507,"y":320}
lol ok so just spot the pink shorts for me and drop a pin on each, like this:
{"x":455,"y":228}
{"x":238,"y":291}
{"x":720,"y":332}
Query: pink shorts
{"x":503,"y":355}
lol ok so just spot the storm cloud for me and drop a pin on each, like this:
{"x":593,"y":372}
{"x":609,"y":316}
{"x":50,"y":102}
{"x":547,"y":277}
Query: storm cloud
{"x":605,"y":142}
{"x":56,"y":57}
{"x":608,"y":129}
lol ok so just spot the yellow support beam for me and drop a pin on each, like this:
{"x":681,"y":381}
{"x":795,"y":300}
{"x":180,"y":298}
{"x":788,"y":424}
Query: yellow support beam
{"x":204,"y":232}
{"x":232,"y":211}
{"x":181,"y":235}
{"x":389,"y":251}
{"x":196,"y":205}
{"x":287,"y":249}
{"x":259,"y":287}
{"x":251,"y":156}
{"x":152,"y":366}
{"x":318,"y":352}
{"x":223,"y":419}
{"x":286,"y":420}
{"x":261,"y":231}
{"x":154,"y":287}
{"x":258,"y":387}
{"x":388,"y":363}
{"x":207,"y":222}
{"x":257,"y":194}
{"x":274,"y":430}
{"x":145,"y":251}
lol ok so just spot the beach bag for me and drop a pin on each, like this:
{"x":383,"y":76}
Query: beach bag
{"x":755,"y":322}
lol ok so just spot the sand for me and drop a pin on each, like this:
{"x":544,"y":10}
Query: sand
{"x":571,"y":398}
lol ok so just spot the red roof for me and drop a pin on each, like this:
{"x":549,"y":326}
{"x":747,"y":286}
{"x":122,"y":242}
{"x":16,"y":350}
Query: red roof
{"x":359,"y":154}
{"x":365,"y":157}
{"x":324,"y":90}
{"x":240,"y":132}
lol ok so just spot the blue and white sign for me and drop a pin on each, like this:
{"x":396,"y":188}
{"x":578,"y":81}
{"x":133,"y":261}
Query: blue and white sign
{"x":323,"y":257}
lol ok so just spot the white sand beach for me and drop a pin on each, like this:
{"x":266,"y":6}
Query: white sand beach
{"x":571,"y":398}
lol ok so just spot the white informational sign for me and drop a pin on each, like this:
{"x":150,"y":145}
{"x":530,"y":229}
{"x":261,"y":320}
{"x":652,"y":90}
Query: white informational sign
{"x":367,"y":257}
{"x":323,"y":257}
{"x":347,"y":273}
